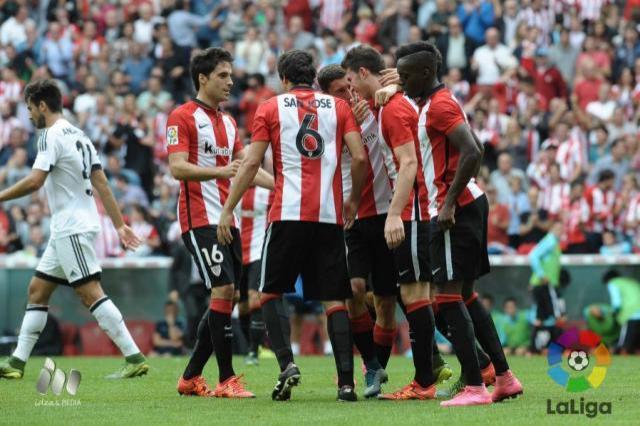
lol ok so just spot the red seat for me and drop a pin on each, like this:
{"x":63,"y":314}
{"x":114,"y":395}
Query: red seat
{"x":142,"y":333}
{"x":95,"y":342}
{"x":69,"y":339}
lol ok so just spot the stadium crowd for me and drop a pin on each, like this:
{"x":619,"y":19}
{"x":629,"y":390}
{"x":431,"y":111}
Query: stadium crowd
{"x":549,"y":87}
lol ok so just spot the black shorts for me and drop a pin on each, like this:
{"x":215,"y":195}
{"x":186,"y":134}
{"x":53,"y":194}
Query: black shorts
{"x":630,"y":336}
{"x":460,"y":253}
{"x":218,"y":265}
{"x":250,"y":279}
{"x":546,"y":300}
{"x":369,"y":256}
{"x":314,"y":250}
{"x":412,"y":256}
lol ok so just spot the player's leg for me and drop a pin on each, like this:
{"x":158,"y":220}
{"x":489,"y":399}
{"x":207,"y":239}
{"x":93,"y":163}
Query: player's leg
{"x":281,"y":257}
{"x":339,"y":329}
{"x":33,"y":322}
{"x":257,"y":328}
{"x":413,"y":274}
{"x":244,"y":313}
{"x":384,"y":330}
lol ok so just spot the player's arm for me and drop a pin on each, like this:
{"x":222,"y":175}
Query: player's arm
{"x":353,"y":140}
{"x":182,"y":169}
{"x":243,"y":180}
{"x":462,"y":139}
{"x":263,"y":178}
{"x":25,"y":186}
{"x":101,"y":184}
{"x":407,"y":170}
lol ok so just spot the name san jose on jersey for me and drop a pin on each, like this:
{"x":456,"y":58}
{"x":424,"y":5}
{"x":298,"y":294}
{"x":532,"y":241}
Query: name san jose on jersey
{"x":68,"y":155}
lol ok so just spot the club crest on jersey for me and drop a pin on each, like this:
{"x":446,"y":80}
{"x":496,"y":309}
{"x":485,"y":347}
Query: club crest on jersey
{"x":217,"y":270}
{"x":172,"y":135}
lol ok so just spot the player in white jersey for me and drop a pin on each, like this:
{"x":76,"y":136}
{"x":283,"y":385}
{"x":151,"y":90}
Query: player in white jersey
{"x":67,"y":165}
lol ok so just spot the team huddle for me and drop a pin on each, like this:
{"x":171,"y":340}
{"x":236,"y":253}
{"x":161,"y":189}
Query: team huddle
{"x":369,"y":186}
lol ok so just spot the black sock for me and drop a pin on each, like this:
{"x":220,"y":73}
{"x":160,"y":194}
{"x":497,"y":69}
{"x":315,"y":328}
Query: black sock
{"x":202,"y":350}
{"x":256,"y":331}
{"x":487,"y":335}
{"x":339,"y":328}
{"x":362,"y":328}
{"x":279,"y":330}
{"x":383,"y":341}
{"x":421,"y":329}
{"x":222,"y":336}
{"x":245,"y":323}
{"x":462,"y":336}
{"x":441,"y":325}
{"x":483,"y":358}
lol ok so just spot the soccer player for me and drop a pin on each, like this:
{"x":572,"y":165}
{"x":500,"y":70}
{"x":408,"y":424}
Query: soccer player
{"x":458,"y":209}
{"x":68,"y":166}
{"x":306,"y":131}
{"x":253,"y":226}
{"x":204,"y":153}
{"x":406,"y":216}
{"x":367,"y":251}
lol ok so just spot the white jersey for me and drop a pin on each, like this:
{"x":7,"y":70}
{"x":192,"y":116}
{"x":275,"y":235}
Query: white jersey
{"x":69,"y":156}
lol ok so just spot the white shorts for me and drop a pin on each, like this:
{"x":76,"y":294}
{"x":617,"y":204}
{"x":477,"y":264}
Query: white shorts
{"x":70,"y":260}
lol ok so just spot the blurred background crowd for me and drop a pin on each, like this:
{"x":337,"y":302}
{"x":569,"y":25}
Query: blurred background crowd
{"x":549,"y":87}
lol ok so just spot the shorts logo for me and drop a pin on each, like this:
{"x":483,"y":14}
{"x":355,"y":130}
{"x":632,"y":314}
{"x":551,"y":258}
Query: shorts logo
{"x":580,"y":346}
{"x":172,"y":135}
{"x":217,"y":269}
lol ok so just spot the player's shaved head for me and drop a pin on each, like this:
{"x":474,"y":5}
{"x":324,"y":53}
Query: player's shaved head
{"x":418,"y":67}
{"x":296,"y":66}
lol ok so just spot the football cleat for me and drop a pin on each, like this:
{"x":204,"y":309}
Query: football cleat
{"x":233,"y":387}
{"x":470,"y":395}
{"x":289,"y":378}
{"x":507,"y":386}
{"x":196,"y":386}
{"x":412,"y":391}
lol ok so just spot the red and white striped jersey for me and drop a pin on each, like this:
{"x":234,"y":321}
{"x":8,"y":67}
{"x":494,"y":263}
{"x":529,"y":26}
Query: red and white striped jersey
{"x":576,"y":219}
{"x":398,"y":125}
{"x":554,"y":198}
{"x":601,"y":205}
{"x":211,"y":139}
{"x":306,"y":131}
{"x":377,"y":193}
{"x":570,"y":157}
{"x":438,"y":118}
{"x":632,"y":217}
{"x":253,"y":211}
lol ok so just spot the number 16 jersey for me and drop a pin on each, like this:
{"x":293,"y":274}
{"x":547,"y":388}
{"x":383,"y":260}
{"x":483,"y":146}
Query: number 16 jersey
{"x":306,"y":131}
{"x":69,"y":156}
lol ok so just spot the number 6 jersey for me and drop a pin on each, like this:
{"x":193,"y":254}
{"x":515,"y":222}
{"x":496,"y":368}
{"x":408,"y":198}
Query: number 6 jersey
{"x":69,"y":156}
{"x":306,"y":130}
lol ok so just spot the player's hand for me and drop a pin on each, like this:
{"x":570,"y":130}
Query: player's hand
{"x":544,"y":281}
{"x":224,"y":228}
{"x":128,"y":239}
{"x":230,"y":170}
{"x":446,"y":218}
{"x":383,"y":95}
{"x":350,"y":211}
{"x":389,"y":76}
{"x":361,"y":111}
{"x":393,"y":231}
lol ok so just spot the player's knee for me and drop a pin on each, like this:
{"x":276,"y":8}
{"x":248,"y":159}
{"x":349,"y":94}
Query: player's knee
{"x":89,"y":293}
{"x":223,"y":292}
{"x":415,"y":292}
{"x":359,"y":288}
{"x":254,"y":299}
{"x":386,"y":311}
{"x":36,"y":294}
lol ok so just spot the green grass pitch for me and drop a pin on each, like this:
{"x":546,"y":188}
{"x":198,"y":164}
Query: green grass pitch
{"x":153,"y":400}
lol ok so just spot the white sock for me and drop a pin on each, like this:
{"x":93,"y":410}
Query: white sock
{"x":110,"y":320}
{"x":35,"y":318}
{"x":295,"y":348}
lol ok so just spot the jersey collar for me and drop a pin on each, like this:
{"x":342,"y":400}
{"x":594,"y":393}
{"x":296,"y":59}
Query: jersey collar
{"x":301,"y":88}
{"x":205,"y":105}
{"x":434,"y":90}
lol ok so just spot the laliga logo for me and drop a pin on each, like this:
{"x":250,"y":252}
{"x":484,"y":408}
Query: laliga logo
{"x":578,"y":343}
{"x":50,"y":375}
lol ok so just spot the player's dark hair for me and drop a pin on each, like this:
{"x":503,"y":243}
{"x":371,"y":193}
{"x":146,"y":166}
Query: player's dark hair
{"x":421,"y":46}
{"x":46,"y":91}
{"x":259,"y":77}
{"x":363,"y":56}
{"x":297,"y":67}
{"x":605,"y":175}
{"x":206,"y":61}
{"x":609,"y":275}
{"x":328,"y":75}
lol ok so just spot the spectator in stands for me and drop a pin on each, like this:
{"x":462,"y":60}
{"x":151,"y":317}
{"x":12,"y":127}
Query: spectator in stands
{"x":456,"y":48}
{"x":15,"y":170}
{"x":169,"y":333}
{"x":618,"y":127}
{"x":301,"y":38}
{"x":628,"y":51}
{"x":140,"y":222}
{"x":492,"y":61}
{"x":249,"y":52}
{"x":599,"y":144}
{"x":37,"y":243}
{"x":534,"y":224}
{"x":183,"y":26}
{"x":255,"y":94}
{"x":13,"y":31}
{"x":500,"y":177}
{"x":476,"y":17}
{"x":518,"y":203}
{"x":600,"y":199}
{"x":9,"y":240}
{"x":624,"y":295}
{"x":564,"y":56}
{"x":137,"y":66}
{"x":507,"y":21}
{"x":587,"y":87}
{"x":127,"y":193}
{"x":498,"y":223}
{"x":113,"y":169}
{"x":516,"y":328}
{"x":394,"y":29}
{"x":576,"y":219}
{"x":154,"y":98}
{"x":57,"y":52}
{"x":602,"y":108}
{"x":616,"y":160}
{"x":611,"y":245}
{"x":547,"y":78}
